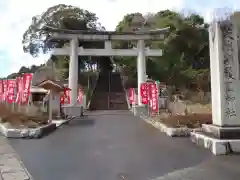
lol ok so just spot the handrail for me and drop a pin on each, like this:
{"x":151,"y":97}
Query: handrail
{"x":92,"y":91}
{"x":126,"y":93}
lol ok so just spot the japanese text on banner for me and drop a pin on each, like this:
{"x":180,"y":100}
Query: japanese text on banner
{"x":144,"y":93}
{"x":1,"y":90}
{"x":27,"y":78}
{"x":154,"y":97}
{"x":4,"y":97}
{"x":19,"y":89}
{"x":10,"y":90}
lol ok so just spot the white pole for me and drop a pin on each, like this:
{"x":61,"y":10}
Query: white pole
{"x":73,"y":72}
{"x":141,"y":67}
{"x":134,"y":103}
{"x":50,"y":106}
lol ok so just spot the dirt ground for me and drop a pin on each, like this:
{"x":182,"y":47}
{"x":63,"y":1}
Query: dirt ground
{"x":190,"y":121}
{"x":197,"y":114}
{"x":21,"y":120}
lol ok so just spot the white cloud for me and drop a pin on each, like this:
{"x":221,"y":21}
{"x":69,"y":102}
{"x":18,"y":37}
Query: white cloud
{"x":1,"y":56}
{"x":16,"y":15}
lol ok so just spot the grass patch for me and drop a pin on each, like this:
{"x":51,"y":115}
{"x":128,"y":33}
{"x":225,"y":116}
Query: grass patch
{"x":21,"y":120}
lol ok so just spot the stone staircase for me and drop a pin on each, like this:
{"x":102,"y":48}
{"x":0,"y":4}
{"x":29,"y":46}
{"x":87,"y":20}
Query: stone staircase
{"x":109,"y":93}
{"x":117,"y":97}
{"x":100,"y":96}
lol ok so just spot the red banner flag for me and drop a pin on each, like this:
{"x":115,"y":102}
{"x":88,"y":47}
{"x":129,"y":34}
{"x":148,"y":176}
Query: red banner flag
{"x":80,"y":96}
{"x":1,"y":90}
{"x":19,"y":89}
{"x":4,"y":90}
{"x":65,"y":98}
{"x":27,"y":79}
{"x":62,"y":99}
{"x":67,"y":95}
{"x":144,"y":93}
{"x":153,"y":94}
{"x":131,"y":95}
{"x":10,"y":90}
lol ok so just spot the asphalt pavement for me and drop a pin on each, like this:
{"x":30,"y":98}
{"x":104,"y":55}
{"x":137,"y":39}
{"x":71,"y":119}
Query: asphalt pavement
{"x":114,"y":145}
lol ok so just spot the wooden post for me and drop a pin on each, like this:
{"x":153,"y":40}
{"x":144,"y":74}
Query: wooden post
{"x":50,"y":106}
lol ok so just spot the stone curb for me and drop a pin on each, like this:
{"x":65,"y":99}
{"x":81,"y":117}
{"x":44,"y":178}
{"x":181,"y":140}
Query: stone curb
{"x":63,"y":122}
{"x":172,"y":132}
{"x":31,"y":133}
{"x":27,"y":132}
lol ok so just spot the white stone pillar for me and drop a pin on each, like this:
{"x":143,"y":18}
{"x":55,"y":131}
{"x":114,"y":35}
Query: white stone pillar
{"x":141,"y":67}
{"x":223,"y":135}
{"x":224,"y":74}
{"x":73,"y":72}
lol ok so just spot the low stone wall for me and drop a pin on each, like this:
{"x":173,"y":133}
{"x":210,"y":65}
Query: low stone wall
{"x":139,"y":111}
{"x":172,"y":132}
{"x":72,"y":111}
{"x":181,"y":107}
{"x":8,"y":131}
{"x":142,"y":112}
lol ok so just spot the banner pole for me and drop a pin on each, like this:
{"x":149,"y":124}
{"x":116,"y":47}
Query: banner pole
{"x":134,"y":102}
{"x":6,"y":94}
{"x":50,"y":106}
{"x":158,"y":99}
{"x":20,"y":89}
{"x":19,"y":92}
{"x":13,"y":104}
{"x":148,"y":91}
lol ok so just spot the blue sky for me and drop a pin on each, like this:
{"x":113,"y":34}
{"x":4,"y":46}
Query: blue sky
{"x":15,"y":17}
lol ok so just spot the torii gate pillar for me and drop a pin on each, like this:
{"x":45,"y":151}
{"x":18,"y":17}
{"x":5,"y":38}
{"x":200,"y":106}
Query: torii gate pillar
{"x":73,"y":71}
{"x":141,"y":67}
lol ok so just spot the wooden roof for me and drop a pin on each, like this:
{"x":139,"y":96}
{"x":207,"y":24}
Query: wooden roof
{"x":51,"y":85}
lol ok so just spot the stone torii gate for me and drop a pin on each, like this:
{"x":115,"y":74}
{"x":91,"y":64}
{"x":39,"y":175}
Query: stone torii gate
{"x":74,"y":51}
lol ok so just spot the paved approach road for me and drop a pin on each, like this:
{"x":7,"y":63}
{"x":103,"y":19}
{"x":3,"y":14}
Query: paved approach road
{"x":109,"y":144}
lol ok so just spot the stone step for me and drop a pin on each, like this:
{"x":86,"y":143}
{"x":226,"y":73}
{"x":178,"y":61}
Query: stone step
{"x":102,"y":99}
{"x":119,"y":106}
{"x":117,"y":101}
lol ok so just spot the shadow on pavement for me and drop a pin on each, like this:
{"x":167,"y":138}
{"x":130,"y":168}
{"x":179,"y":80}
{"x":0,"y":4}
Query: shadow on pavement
{"x":82,"y":121}
{"x":125,"y":113}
